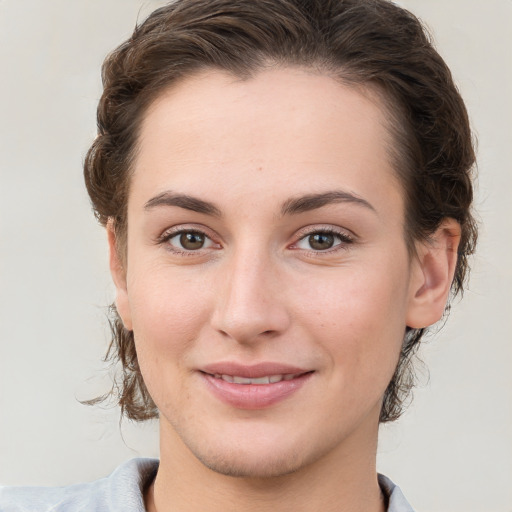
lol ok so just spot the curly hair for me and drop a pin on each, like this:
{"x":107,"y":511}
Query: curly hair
{"x":362,"y":43}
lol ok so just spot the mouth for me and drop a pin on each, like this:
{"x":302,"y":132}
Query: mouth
{"x":254,"y":387}
{"x":258,"y":381}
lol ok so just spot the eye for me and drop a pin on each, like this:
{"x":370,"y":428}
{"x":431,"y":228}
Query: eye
{"x":322,"y":241}
{"x":189,"y":240}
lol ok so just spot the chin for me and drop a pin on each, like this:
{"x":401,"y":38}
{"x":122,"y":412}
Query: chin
{"x":243,"y":464}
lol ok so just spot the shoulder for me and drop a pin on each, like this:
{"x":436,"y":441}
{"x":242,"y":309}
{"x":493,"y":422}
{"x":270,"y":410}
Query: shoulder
{"x":122,"y":490}
{"x":396,"y":500}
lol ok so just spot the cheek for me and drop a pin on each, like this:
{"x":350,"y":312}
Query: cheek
{"x":359,"y":318}
{"x":168,"y":311}
{"x":165,"y":300}
{"x":167,"y":314}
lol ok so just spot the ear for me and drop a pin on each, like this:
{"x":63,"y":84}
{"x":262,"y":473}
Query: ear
{"x":118,"y":272}
{"x":432,"y":272}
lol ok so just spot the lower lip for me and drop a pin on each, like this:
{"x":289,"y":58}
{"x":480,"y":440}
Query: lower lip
{"x":254,"y":396}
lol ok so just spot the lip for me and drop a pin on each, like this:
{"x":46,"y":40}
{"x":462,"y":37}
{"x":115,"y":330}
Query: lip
{"x":253,"y":396}
{"x":253,"y":371}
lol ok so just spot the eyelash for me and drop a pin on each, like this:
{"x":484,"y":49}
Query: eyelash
{"x":343,"y":239}
{"x":169,"y":235}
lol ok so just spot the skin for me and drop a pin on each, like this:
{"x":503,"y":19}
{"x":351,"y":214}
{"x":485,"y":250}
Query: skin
{"x":259,"y":291}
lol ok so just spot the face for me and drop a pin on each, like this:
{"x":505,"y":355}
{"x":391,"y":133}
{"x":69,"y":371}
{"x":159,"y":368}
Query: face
{"x":267,"y":279}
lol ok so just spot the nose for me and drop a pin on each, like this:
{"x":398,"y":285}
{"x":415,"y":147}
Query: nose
{"x":249,"y":306}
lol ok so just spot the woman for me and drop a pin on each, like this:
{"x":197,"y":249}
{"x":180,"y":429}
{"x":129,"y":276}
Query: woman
{"x":286,"y":190}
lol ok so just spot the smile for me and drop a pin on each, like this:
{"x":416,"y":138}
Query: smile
{"x":258,"y":387}
{"x":267,"y":379}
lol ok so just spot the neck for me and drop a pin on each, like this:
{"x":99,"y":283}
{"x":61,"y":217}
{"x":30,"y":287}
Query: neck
{"x":342,"y":480}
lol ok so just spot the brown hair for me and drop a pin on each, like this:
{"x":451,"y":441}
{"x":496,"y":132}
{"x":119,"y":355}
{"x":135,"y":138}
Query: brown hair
{"x":369,"y":43}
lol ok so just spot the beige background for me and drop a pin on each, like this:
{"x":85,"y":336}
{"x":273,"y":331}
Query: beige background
{"x":452,"y":452}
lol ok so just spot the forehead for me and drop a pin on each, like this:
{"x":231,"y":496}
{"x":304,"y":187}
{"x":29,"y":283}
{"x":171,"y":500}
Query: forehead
{"x":294,"y":128}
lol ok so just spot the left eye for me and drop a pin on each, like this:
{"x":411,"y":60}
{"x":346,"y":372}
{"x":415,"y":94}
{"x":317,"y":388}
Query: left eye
{"x":321,"y":241}
{"x":190,"y":241}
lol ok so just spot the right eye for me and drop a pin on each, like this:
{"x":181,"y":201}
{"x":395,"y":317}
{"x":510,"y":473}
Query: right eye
{"x":189,"y":240}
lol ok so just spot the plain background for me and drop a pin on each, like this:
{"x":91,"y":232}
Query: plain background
{"x":452,"y":451}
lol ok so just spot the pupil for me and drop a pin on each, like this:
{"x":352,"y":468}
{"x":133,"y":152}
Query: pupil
{"x":321,"y":241}
{"x":191,"y":241}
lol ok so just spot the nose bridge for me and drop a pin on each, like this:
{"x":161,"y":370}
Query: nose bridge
{"x":249,"y":305}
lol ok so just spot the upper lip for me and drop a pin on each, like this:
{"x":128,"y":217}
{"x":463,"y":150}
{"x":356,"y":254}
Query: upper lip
{"x":252,"y":371}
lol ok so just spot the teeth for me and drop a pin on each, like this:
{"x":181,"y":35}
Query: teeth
{"x":268,"y":379}
{"x":245,"y":380}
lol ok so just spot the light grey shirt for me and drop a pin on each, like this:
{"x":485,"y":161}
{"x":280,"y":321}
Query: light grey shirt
{"x":122,"y":491}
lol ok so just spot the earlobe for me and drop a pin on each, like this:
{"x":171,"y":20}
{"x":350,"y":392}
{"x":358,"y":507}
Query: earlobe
{"x":118,"y":273}
{"x":432,"y":274}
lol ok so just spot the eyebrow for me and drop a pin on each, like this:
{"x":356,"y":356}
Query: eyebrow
{"x":314,"y":201}
{"x":292,"y":206}
{"x":183,"y":201}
